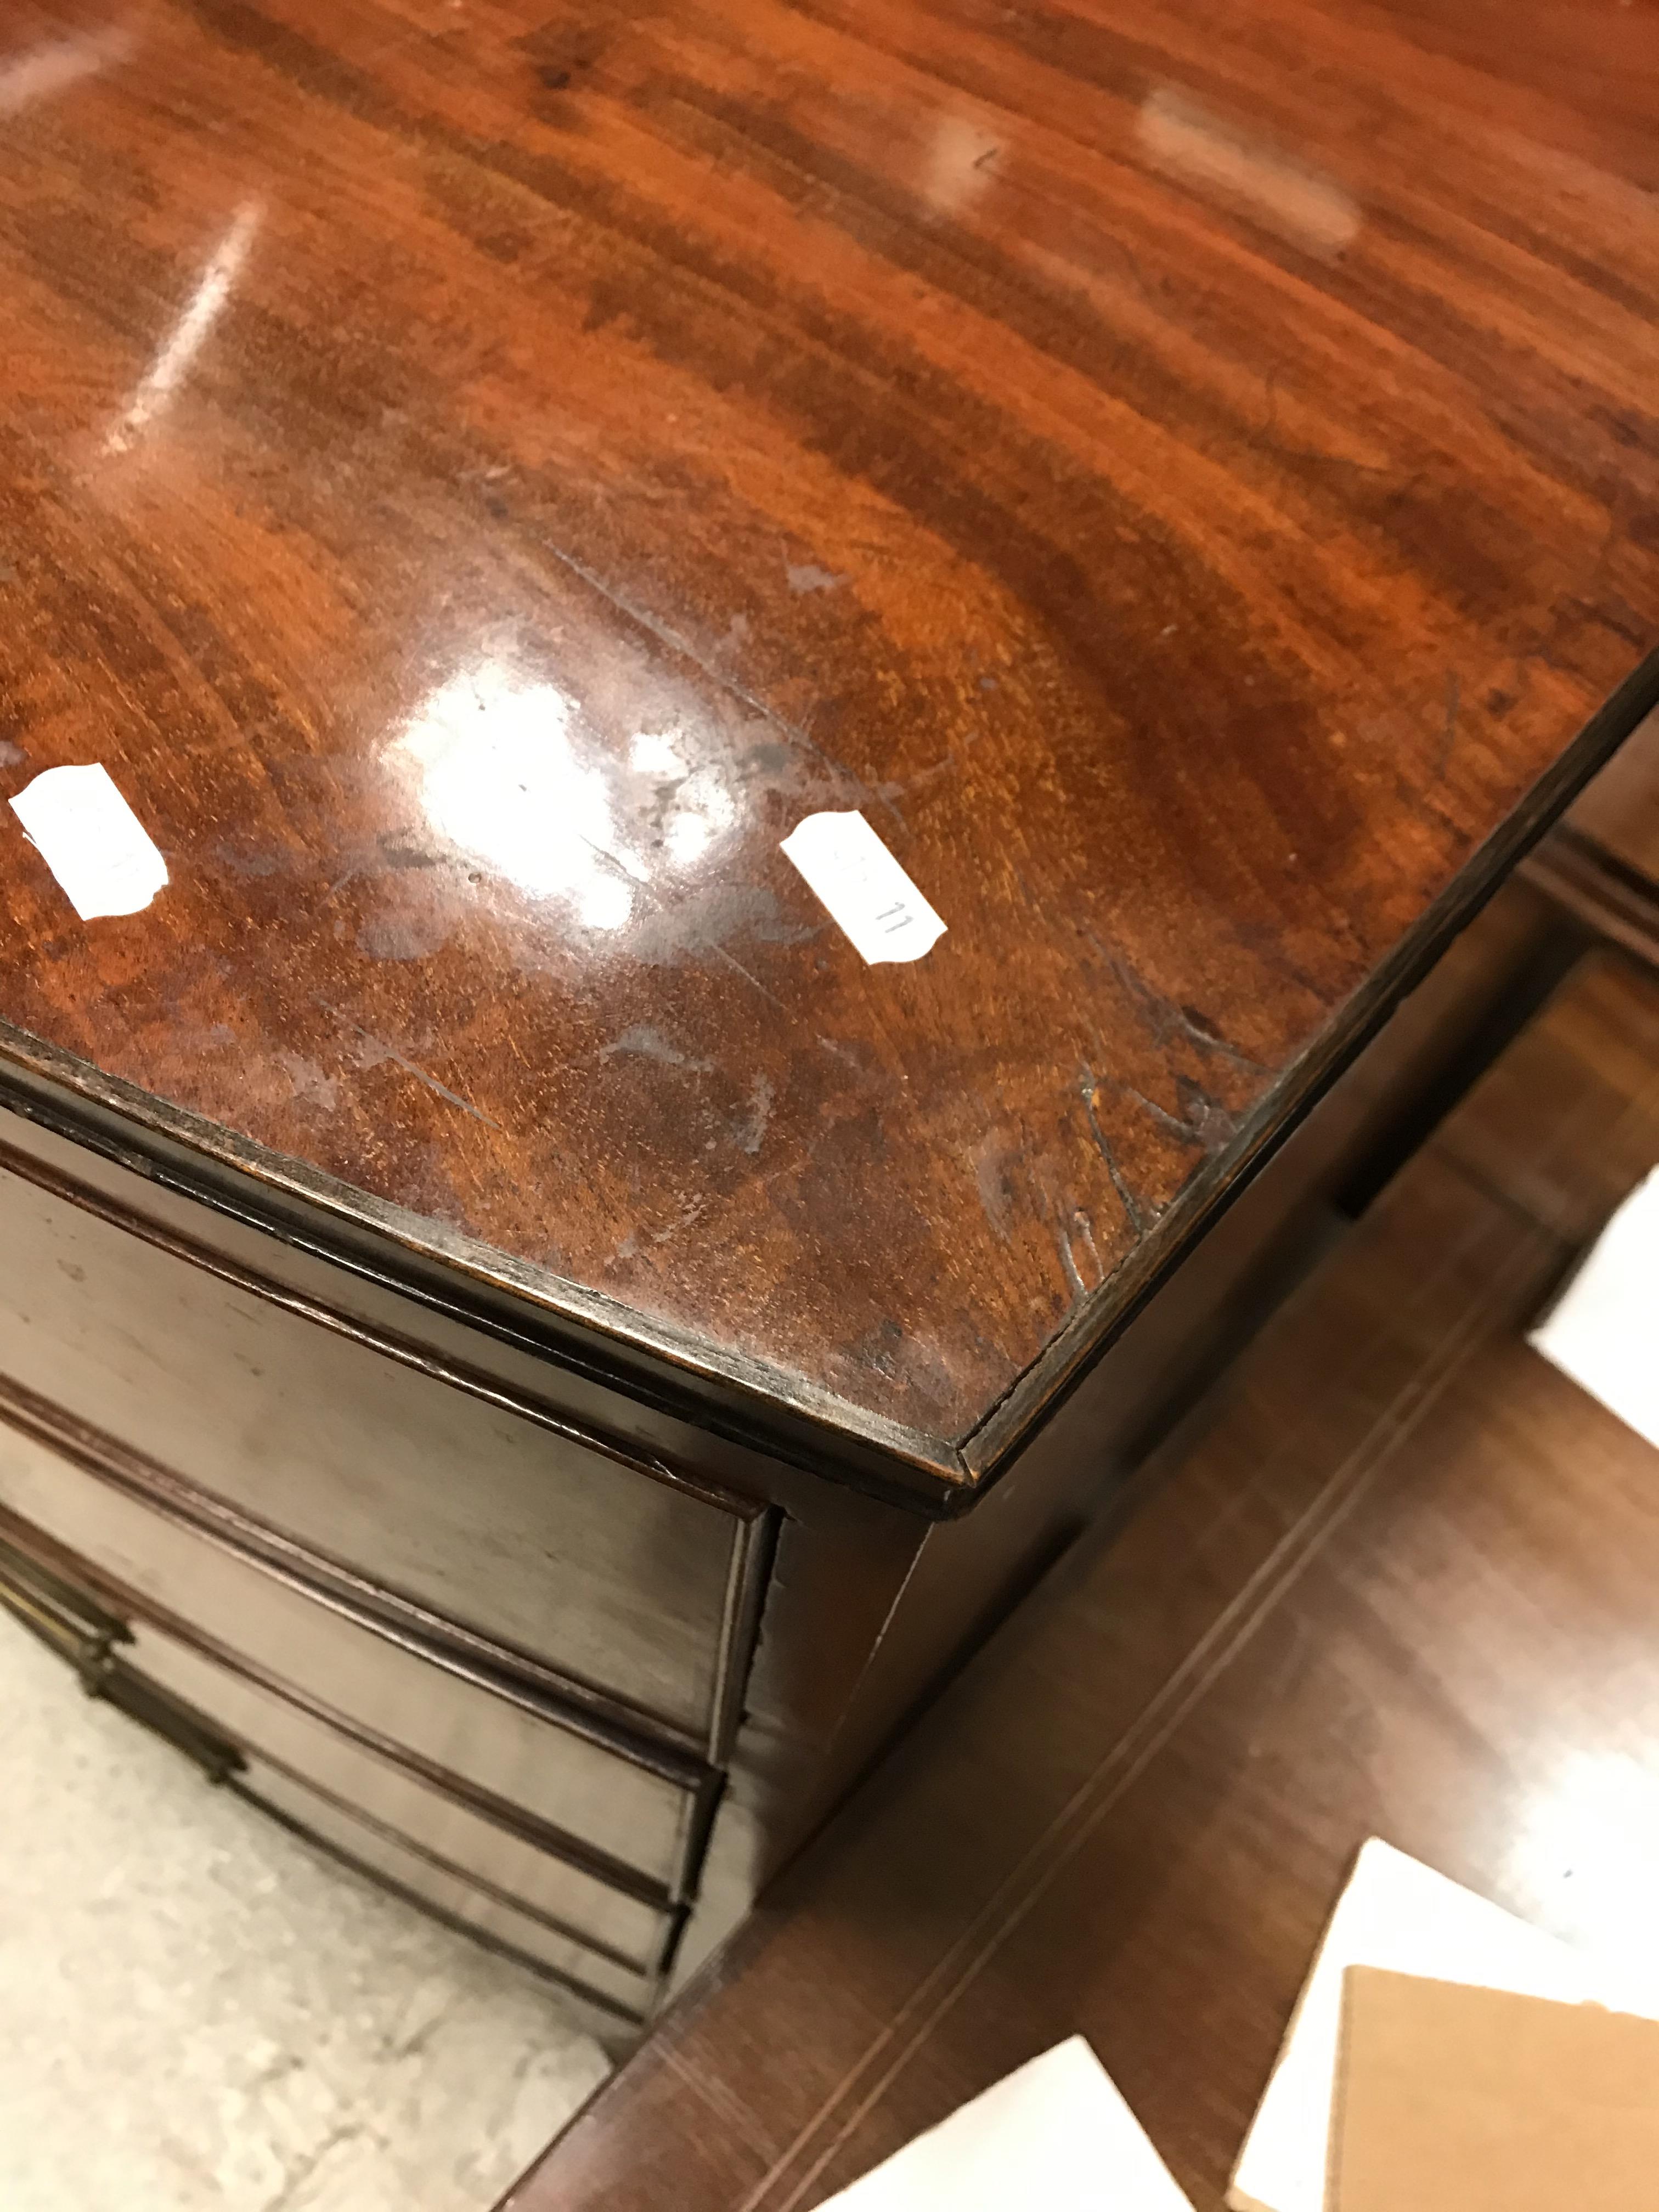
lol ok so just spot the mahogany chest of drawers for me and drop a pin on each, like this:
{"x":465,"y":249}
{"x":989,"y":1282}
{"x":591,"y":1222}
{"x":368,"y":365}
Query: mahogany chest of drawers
{"x":520,"y":1348}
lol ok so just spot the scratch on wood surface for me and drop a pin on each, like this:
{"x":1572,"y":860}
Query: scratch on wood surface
{"x":1081,"y":1221}
{"x":1171,"y":1124}
{"x":1068,"y":1262}
{"x":1449,"y":734}
{"x":1167,"y":1017}
{"x":1132,"y":1213}
{"x":731,"y":961}
{"x":389,"y":1052}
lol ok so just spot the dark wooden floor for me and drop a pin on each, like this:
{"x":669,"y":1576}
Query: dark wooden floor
{"x":1396,"y":1578}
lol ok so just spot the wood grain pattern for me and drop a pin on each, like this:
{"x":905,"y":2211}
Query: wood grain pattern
{"x":136,"y":1558}
{"x":247,"y":1407}
{"x":1398,"y":1581}
{"x":478,"y":474}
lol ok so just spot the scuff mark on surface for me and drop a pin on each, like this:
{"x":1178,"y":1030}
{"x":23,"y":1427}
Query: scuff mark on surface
{"x":1133,"y":1214}
{"x":310,"y":1086}
{"x":910,"y":1365}
{"x":844,"y":1053}
{"x":711,"y":917}
{"x":749,"y":1131}
{"x":731,"y":961}
{"x":405,"y":936}
{"x":889,"y":794}
{"x":1068,"y":1262}
{"x":768,"y":762}
{"x":378,"y":1050}
{"x":1203,"y":1032}
{"x":875,"y":1349}
{"x":996,"y":1192}
{"x":253,"y":865}
{"x":1171,"y":1124}
{"x":1165,"y":1017}
{"x":396,"y":852}
{"x":1067,"y":1221}
{"x":807,"y":576}
{"x":1205,"y":1118}
{"x":642,"y":1042}
{"x":666,"y":634}
{"x":1449,"y":733}
{"x":1080,"y":1220}
{"x":682,"y":1220}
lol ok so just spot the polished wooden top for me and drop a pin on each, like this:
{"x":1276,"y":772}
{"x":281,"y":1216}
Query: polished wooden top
{"x":1397,"y":1580}
{"x":479,"y":473}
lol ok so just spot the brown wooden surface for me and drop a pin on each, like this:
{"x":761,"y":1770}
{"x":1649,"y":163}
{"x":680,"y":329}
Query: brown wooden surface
{"x":1399,"y":1580}
{"x":479,"y":474}
{"x":1603,"y":864}
{"x":505,"y":1857}
{"x":969,"y":1570}
{"x":1620,"y":810}
{"x":601,"y":1573}
{"x":138,"y":1560}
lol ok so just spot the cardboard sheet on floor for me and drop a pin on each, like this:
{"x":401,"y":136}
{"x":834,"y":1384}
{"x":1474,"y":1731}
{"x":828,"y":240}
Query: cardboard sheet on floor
{"x":1056,"y":2133}
{"x":1455,"y":2098}
{"x":1396,"y":1913}
{"x":1604,"y":1329}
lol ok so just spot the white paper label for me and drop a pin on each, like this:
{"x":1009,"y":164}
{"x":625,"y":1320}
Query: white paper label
{"x":1605,"y":1331}
{"x":864,"y":887}
{"x":1056,"y":2136}
{"x":101,"y":852}
{"x":1399,"y":1914}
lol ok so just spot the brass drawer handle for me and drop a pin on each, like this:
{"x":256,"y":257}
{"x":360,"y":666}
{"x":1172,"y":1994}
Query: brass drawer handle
{"x":79,"y":1632}
{"x":165,"y":1716}
{"x":62,"y":1636}
{"x":74,"y":1626}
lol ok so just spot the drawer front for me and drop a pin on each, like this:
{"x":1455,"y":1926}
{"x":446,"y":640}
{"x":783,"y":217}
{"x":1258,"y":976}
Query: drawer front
{"x":607,"y":1575}
{"x":627,"y":1994}
{"x":601,"y":1798}
{"x":386,"y":1794}
{"x":63,"y":1616}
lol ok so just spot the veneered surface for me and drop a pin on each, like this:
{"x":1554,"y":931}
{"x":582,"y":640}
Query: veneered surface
{"x":478,"y":474}
{"x":1395,"y":1581}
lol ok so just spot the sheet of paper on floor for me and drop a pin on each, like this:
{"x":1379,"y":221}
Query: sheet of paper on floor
{"x":1604,"y":1329}
{"x":1398,"y":1913}
{"x":1056,"y":2133}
